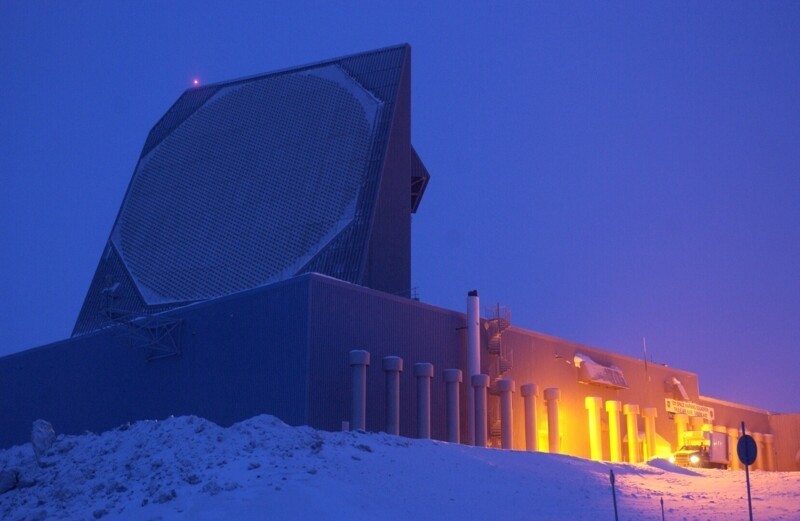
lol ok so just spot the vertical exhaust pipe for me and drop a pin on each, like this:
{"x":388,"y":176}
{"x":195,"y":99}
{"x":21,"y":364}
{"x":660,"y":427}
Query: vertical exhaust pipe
{"x":506,"y":387}
{"x":613,"y":408}
{"x":423,"y":372}
{"x":529,"y":394}
{"x":473,"y":358}
{"x":453,"y":377}
{"x":631,"y":412}
{"x":593,"y":406}
{"x":733,"y":459}
{"x":480,"y":384}
{"x":552,"y":395}
{"x":650,"y":414}
{"x":393,"y":366}
{"x":359,"y":360}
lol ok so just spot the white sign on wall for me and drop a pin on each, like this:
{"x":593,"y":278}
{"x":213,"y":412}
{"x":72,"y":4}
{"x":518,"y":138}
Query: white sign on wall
{"x":689,"y":408}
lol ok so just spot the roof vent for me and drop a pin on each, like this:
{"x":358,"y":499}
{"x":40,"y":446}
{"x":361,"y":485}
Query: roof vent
{"x":590,"y":372}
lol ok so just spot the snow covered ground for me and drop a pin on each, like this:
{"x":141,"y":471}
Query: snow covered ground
{"x":190,"y":468}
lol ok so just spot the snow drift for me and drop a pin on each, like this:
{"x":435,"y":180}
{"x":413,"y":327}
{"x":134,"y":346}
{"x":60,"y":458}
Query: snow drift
{"x":190,"y":468}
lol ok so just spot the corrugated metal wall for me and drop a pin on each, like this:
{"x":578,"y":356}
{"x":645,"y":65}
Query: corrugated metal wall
{"x":549,"y":362}
{"x":345,"y":317}
{"x":732,"y":415}
{"x":786,"y":428}
{"x":388,"y":262}
{"x":283,"y":350}
{"x":241,"y":356}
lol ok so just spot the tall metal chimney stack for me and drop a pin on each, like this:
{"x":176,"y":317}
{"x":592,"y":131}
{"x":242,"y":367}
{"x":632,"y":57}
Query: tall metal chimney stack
{"x":473,"y":358}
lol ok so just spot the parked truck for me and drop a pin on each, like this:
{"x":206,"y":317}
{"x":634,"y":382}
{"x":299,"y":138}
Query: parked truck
{"x":702,"y":449}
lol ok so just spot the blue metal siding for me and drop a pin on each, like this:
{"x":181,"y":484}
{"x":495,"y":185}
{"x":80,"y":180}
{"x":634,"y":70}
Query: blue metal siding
{"x":389,"y":255}
{"x":345,"y":317}
{"x":283,"y":350}
{"x":242,"y":355}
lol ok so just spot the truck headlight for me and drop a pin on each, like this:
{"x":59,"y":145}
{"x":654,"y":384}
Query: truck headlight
{"x":694,"y":459}
{"x":672,"y":459}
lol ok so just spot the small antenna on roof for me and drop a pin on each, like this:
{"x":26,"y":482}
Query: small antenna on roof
{"x":644,"y":349}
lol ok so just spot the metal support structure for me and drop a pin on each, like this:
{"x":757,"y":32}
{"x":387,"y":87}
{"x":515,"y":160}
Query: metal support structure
{"x":158,"y":336}
{"x":747,"y":473}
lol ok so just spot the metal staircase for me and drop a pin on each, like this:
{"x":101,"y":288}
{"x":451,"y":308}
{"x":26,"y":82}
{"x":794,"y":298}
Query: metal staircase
{"x":500,"y":359}
{"x":501,"y":355}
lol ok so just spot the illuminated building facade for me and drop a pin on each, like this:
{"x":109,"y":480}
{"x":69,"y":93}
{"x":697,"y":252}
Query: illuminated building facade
{"x":265,"y":234}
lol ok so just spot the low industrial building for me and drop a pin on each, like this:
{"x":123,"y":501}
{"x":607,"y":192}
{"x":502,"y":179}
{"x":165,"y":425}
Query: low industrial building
{"x":260,"y":259}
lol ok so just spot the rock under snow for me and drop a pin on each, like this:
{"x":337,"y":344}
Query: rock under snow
{"x":8,"y":480}
{"x":42,"y":438}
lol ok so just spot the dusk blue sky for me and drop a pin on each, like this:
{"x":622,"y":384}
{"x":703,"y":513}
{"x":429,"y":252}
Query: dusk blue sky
{"x":609,"y":170}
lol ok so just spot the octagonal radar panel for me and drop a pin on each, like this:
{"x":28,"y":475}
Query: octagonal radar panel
{"x":249,"y":188}
{"x":252,"y":181}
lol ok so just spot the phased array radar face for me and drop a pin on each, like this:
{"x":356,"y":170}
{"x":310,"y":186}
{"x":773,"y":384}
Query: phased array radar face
{"x":253,"y":181}
{"x":249,"y":187}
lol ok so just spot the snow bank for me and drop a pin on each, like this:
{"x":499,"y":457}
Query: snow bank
{"x":190,"y":468}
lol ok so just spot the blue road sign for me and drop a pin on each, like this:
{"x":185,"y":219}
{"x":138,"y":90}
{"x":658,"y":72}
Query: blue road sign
{"x":747,"y":450}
